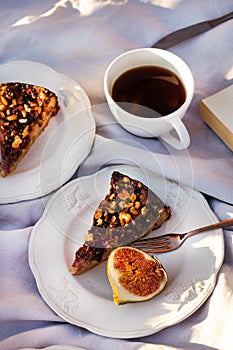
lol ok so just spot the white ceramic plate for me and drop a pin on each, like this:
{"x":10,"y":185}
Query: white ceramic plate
{"x":63,"y":145}
{"x":86,"y":300}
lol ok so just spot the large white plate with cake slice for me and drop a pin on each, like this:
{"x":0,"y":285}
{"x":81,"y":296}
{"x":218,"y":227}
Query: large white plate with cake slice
{"x":86,"y":300}
{"x":63,"y":145}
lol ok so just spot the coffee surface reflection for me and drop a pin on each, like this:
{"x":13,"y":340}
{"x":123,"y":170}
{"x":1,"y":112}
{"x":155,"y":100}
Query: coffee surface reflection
{"x":149,"y":91}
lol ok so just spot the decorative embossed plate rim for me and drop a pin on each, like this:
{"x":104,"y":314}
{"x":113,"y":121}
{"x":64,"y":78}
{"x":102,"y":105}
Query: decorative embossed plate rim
{"x":63,"y":145}
{"x":86,"y":300}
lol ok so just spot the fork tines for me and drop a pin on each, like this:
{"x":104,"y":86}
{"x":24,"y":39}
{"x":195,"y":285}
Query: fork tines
{"x":151,"y":244}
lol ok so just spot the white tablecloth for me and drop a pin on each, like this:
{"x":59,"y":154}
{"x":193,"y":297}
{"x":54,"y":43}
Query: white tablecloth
{"x":79,"y":39}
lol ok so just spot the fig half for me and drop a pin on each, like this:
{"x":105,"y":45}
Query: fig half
{"x":134,"y":275}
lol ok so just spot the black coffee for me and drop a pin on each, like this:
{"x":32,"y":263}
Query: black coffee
{"x":149,"y":91}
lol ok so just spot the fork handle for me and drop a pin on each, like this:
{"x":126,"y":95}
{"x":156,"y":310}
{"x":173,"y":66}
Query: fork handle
{"x":220,"y":224}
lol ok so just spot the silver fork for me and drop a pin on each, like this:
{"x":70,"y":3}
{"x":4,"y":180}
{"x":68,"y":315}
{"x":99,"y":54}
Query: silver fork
{"x":172,"y":241}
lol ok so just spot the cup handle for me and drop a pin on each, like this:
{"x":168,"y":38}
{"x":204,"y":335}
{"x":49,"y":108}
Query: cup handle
{"x":183,"y":140}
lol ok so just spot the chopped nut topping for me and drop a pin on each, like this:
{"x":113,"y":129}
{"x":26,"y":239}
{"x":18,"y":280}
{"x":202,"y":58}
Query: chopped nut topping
{"x":125,"y":218}
{"x":12,"y":117}
{"x":38,"y":109}
{"x":144,"y":211}
{"x":99,"y":222}
{"x":4,"y":101}
{"x":112,"y":196}
{"x":98,"y":214}
{"x":27,"y":109}
{"x":122,"y":204}
{"x":134,"y":211}
{"x":24,"y":113}
{"x":113,"y":205}
{"x":89,"y":237}
{"x":114,"y":218}
{"x":52,"y":102}
{"x":23,"y":120}
{"x":25,"y":131}
{"x":126,"y":179}
{"x":133,"y":197}
{"x":42,"y":96}
{"x":17,"y":142}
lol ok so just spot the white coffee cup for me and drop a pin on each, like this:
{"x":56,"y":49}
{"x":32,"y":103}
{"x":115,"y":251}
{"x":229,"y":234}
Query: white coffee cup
{"x":152,"y":127}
